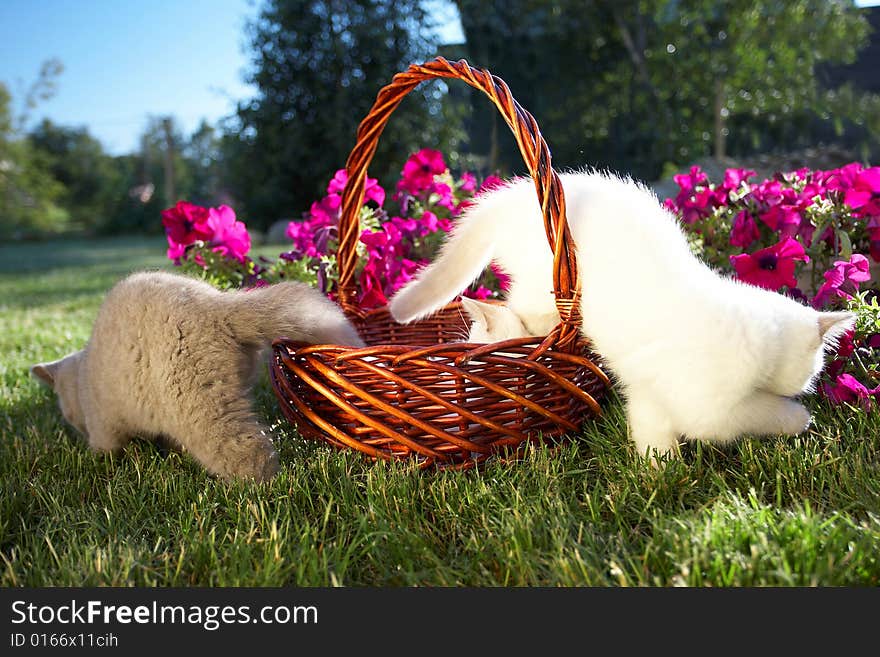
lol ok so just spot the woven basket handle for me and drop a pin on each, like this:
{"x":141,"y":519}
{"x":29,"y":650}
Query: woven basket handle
{"x":534,"y":151}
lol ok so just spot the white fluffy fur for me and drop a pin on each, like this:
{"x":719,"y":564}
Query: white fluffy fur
{"x":173,"y":356}
{"x":696,"y":354}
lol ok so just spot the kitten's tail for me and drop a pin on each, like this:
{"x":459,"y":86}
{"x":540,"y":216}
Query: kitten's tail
{"x":292,"y":310}
{"x":462,"y":258}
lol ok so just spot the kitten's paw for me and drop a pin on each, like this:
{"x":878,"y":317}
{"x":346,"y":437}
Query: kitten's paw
{"x":651,"y":430}
{"x":656,"y":454}
{"x":244,"y":458}
{"x":262,"y":465}
{"x":796,"y":418}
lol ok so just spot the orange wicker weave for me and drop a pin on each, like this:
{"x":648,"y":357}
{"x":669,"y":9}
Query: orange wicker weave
{"x":415,"y":392}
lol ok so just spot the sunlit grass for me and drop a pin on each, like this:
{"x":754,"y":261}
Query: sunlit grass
{"x":795,"y":511}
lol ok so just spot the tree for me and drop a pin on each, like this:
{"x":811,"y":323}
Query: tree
{"x":93,"y":183}
{"x":551,"y":55}
{"x":317,"y":65}
{"x":29,"y":194}
{"x":639,"y":85}
{"x":203,"y":154}
{"x":748,"y":62}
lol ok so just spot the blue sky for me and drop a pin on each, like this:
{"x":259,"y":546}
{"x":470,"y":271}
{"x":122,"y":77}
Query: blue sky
{"x":124,"y":61}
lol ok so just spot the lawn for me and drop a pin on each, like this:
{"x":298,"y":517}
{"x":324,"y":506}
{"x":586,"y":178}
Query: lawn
{"x":786,"y":511}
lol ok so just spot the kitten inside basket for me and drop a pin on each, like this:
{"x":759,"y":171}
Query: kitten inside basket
{"x":174,"y":357}
{"x":695,"y":354}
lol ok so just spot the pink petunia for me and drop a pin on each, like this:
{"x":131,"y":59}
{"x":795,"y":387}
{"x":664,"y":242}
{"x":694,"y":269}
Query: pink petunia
{"x":744,"y":231}
{"x":490,"y":182}
{"x":847,"y":389}
{"x":688,"y":182}
{"x":407,"y":225}
{"x":441,"y":194}
{"x":327,"y":209}
{"x":420,"y":169}
{"x":840,"y":180}
{"x":175,"y":251}
{"x":372,"y":190}
{"x":431,"y":224}
{"x":845,"y":345}
{"x":733,"y":180}
{"x":468,"y":182}
{"x":370,"y":293}
{"x":481,"y":293}
{"x":864,"y":194}
{"x":843,"y":279}
{"x":230,"y":238}
{"x":501,"y":276}
{"x":186,"y":223}
{"x":771,"y":268}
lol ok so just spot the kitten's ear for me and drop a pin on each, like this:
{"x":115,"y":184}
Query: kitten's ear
{"x":834,"y":324}
{"x":478,"y":311}
{"x":45,"y":373}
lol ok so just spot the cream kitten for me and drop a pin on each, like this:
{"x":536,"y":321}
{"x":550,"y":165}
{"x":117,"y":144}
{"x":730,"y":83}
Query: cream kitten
{"x":695,"y":354}
{"x":173,"y":356}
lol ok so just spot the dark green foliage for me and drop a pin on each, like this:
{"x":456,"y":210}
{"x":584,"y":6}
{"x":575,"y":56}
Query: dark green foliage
{"x":636,"y":86}
{"x":317,"y":65}
{"x":30,"y":198}
{"x":92,"y":181}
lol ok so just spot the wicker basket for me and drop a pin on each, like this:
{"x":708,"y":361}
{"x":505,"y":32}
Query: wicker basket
{"x":415,"y":392}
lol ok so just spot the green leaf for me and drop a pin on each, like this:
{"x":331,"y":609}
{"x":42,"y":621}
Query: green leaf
{"x":845,"y":243}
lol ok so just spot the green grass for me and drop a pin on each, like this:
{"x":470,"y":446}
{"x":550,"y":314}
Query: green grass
{"x":796,"y":511}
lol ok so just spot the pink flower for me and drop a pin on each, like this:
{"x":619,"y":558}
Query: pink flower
{"x":744,"y":231}
{"x":387,"y":268}
{"x":843,"y":279}
{"x":370,"y":284}
{"x":481,"y":293}
{"x":490,"y":182}
{"x":840,"y":180}
{"x":372,"y":190}
{"x":695,"y":198}
{"x":229,"y":237}
{"x":845,"y":345}
{"x":864,"y":194}
{"x":847,"y":389}
{"x":770,"y":268}
{"x":443,"y":193}
{"x":873,"y":229}
{"x":770,"y":193}
{"x":326,"y":210}
{"x":500,"y":276}
{"x":406,"y":225}
{"x":420,"y":169}
{"x":733,"y":180}
{"x":186,"y":223}
{"x":782,"y":218}
{"x":431,"y":224}
{"x":175,"y":251}
{"x":688,"y":182}
{"x":468,"y":182}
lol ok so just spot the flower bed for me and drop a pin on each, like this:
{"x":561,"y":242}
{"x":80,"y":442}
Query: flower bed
{"x":802,"y":233}
{"x":813,"y":235}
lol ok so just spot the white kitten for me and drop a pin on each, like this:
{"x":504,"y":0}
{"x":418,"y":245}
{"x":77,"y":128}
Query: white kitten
{"x":696,"y":354}
{"x":173,"y":356}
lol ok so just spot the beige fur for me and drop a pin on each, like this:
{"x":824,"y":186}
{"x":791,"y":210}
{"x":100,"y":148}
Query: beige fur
{"x":172,"y":356}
